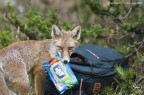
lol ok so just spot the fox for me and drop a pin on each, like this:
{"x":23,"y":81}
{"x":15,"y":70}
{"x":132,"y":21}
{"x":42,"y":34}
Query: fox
{"x":24,"y":58}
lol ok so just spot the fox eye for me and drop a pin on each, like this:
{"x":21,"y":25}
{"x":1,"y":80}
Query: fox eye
{"x":70,"y":48}
{"x":60,"y":48}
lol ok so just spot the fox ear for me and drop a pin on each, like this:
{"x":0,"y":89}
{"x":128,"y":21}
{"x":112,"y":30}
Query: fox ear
{"x":56,"y":31}
{"x":76,"y":32}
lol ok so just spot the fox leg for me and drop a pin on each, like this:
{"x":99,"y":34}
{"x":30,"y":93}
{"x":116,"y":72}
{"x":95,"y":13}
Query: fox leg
{"x":22,"y":84}
{"x":4,"y":90}
{"x":39,"y":77}
{"x":17,"y":74}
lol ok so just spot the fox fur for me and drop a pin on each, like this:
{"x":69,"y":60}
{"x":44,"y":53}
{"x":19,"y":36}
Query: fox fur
{"x":22,"y":58}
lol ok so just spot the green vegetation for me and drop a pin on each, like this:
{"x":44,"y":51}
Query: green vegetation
{"x":6,"y":38}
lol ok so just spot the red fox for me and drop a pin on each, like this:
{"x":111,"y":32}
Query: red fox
{"x":26,"y":57}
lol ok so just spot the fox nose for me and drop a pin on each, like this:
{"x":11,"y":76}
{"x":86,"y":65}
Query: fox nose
{"x":65,"y":61}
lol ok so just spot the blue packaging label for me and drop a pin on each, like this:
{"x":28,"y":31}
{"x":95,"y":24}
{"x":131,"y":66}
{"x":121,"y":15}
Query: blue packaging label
{"x":60,"y":74}
{"x":59,"y":71}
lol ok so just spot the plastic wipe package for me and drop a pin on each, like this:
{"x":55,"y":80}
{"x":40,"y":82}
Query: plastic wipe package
{"x":60,"y":74}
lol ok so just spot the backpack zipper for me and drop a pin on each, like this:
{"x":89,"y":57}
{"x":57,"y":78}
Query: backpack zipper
{"x":92,"y":71}
{"x":92,"y":53}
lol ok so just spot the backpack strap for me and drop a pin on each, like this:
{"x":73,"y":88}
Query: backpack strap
{"x":114,"y":85}
{"x":96,"y":88}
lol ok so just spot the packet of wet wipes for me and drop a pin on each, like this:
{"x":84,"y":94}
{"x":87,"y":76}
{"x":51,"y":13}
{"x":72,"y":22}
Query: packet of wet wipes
{"x":60,"y":74}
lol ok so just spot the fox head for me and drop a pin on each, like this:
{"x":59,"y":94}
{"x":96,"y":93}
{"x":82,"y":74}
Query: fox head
{"x":65,"y":41}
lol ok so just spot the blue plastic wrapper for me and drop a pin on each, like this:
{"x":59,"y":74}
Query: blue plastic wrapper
{"x":60,"y":74}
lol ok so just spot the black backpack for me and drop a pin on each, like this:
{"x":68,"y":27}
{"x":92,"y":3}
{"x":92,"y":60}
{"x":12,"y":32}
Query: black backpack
{"x":94,"y":67}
